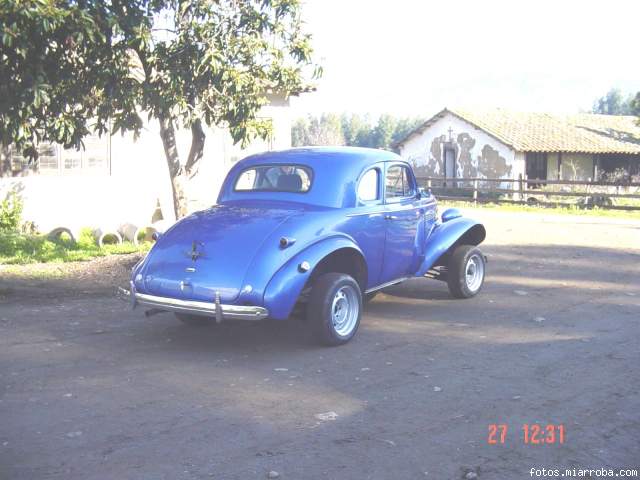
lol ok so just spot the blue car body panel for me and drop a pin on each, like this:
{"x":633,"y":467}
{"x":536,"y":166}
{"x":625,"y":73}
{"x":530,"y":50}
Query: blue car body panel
{"x":445,"y":235}
{"x":284,"y":288}
{"x":233,"y":250}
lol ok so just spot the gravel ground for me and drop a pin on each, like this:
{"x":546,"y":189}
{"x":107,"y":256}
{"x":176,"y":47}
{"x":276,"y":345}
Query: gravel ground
{"x":91,"y":390}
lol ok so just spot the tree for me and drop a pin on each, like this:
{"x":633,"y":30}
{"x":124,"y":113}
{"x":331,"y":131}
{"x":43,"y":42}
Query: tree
{"x":352,"y":130}
{"x":404,"y":126}
{"x":300,"y":132}
{"x":356,"y":129}
{"x":76,"y":66}
{"x":314,"y":131}
{"x":635,"y":105}
{"x":383,"y":131}
{"x":614,"y":103}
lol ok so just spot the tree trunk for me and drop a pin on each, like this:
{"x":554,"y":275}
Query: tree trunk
{"x":4,"y":154}
{"x":197,"y":149}
{"x":176,"y":172}
{"x":180,"y":175}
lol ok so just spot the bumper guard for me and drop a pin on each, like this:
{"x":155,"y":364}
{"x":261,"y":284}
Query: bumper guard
{"x":217,"y":310}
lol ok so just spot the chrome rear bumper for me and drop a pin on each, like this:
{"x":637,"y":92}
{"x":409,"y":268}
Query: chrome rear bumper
{"x":216,"y":310}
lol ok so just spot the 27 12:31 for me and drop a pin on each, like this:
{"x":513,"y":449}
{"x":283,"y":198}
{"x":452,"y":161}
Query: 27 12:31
{"x":532,"y":434}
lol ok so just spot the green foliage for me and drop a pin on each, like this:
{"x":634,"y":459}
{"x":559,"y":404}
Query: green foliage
{"x":323,"y":130}
{"x":352,"y":130}
{"x":634,"y":105}
{"x":78,"y":66}
{"x":10,"y":213}
{"x":86,"y":239}
{"x":18,"y":249}
{"x":615,"y":103}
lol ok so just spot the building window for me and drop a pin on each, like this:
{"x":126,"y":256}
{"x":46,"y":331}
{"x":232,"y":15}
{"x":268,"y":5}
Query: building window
{"x":53,"y":159}
{"x":536,"y":168}
{"x":71,"y":160}
{"x":18,"y":162}
{"x":95,"y":155}
{"x":48,"y":158}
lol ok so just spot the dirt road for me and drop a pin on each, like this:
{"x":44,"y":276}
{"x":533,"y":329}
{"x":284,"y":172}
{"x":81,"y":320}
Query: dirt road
{"x":91,"y":390}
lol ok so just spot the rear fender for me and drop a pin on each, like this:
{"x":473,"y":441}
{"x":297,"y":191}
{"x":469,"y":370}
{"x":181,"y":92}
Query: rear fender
{"x":285,"y":286}
{"x":445,"y":235}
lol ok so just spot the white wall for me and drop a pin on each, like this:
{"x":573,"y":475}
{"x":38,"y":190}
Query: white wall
{"x":519,"y":165}
{"x":424,"y":150}
{"x":139,"y":178}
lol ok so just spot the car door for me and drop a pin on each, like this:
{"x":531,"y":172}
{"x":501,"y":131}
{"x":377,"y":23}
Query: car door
{"x":401,"y":216}
{"x":366,"y":223}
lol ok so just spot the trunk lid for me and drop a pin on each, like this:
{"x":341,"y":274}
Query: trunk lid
{"x":210,"y":251}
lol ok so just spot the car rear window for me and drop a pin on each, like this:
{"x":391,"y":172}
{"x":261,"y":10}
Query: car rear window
{"x":275,"y":178}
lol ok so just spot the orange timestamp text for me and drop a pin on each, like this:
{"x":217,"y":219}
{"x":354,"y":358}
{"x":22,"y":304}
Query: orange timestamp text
{"x":531,"y":434}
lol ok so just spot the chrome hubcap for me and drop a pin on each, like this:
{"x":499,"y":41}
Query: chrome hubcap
{"x":344,"y":310}
{"x":474,"y":272}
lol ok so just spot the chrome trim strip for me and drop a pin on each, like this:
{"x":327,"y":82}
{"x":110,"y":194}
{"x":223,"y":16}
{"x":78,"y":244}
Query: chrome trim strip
{"x":385,"y":285}
{"x":371,"y":214}
{"x":415,"y":206}
{"x":231,"y":312}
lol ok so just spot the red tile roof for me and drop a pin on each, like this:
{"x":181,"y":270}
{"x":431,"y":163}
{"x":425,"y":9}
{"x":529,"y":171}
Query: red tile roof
{"x":543,"y":132}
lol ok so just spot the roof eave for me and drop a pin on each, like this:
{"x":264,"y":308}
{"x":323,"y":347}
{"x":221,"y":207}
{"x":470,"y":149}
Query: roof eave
{"x":444,"y":111}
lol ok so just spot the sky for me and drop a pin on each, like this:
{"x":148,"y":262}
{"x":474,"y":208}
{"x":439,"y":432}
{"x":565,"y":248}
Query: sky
{"x":413,"y":58}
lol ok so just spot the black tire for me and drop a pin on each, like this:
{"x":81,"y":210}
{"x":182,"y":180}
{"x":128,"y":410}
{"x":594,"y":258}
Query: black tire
{"x":195,"y":320}
{"x":322,"y":301}
{"x":459,"y":265}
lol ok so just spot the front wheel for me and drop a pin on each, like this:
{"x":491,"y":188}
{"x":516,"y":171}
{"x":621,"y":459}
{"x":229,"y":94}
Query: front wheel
{"x":335,"y":308}
{"x":465,"y":272}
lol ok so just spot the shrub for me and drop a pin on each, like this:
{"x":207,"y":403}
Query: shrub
{"x":10,"y":213}
{"x":86,"y":239}
{"x":19,"y":248}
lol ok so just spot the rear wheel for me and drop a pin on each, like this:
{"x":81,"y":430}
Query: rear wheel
{"x":335,"y":308}
{"x":195,"y":320}
{"x":465,"y":271}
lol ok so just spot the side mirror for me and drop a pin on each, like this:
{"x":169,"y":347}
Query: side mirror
{"x":423,"y":193}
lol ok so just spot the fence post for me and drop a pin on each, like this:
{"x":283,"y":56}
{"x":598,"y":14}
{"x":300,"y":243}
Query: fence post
{"x":520,"y":187}
{"x":475,"y":191}
{"x":429,"y":183}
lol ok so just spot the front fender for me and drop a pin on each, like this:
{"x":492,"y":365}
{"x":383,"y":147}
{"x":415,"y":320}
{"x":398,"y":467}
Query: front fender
{"x":285,"y":286}
{"x":459,"y":230}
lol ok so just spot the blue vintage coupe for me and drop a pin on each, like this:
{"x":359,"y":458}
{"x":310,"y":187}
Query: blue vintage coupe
{"x":321,"y":229}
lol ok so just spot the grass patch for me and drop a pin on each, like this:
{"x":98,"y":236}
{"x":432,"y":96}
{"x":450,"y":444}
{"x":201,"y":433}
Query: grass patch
{"x":568,"y":210}
{"x":21,"y":249}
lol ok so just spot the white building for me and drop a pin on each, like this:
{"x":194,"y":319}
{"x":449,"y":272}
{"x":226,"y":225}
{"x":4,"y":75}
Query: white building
{"x":503,"y":144}
{"x":117,"y":180}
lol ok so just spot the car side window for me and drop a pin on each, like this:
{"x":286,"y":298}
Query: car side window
{"x":368,"y":187}
{"x":398,"y":183}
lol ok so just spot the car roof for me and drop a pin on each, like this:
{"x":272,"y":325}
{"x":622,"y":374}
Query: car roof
{"x":322,"y":156}
{"x":333,"y":168}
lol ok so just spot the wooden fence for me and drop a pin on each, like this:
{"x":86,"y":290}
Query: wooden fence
{"x":585,"y":194}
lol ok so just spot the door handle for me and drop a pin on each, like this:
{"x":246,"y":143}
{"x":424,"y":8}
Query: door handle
{"x":390,"y":217}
